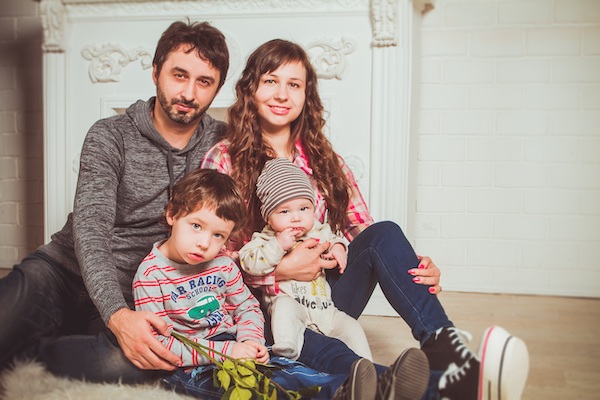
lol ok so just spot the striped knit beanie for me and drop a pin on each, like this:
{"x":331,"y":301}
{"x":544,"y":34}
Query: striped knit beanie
{"x":280,"y":181}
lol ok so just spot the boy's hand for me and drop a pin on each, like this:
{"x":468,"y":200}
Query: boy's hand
{"x":286,"y":239}
{"x":134,"y":332}
{"x":250,"y":350}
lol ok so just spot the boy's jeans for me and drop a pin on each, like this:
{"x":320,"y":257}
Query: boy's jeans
{"x":293,"y":375}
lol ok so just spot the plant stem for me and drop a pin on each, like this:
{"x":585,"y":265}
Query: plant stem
{"x":204,"y":350}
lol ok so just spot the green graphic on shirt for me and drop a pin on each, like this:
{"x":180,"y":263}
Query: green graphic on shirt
{"x":205,"y":306}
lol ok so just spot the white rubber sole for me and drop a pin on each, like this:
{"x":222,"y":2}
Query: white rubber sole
{"x":504,"y":365}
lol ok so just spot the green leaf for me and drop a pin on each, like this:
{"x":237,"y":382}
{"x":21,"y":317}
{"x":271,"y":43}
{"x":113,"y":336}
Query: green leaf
{"x":249,"y":380}
{"x":240,"y":394}
{"x":244,"y":371}
{"x":273,"y":395}
{"x":224,"y":379}
{"x":228,"y":365}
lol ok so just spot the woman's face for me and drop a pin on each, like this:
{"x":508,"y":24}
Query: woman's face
{"x":280,"y":97}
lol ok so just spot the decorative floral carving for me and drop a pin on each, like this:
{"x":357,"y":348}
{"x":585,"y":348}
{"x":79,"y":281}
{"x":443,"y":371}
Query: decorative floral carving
{"x":107,"y":61}
{"x":53,"y":23}
{"x":384,"y":17}
{"x":329,"y":58}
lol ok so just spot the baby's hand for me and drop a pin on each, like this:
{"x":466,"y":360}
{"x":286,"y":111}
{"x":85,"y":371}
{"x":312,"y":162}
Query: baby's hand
{"x":286,"y":239}
{"x":339,"y":253}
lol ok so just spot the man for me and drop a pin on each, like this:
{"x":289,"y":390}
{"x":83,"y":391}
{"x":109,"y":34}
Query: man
{"x":69,"y":303}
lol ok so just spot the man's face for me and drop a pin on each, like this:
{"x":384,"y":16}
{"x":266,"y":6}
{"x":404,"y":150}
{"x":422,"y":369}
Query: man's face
{"x":186,"y":86}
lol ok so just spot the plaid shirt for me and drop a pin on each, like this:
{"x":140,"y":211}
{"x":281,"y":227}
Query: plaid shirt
{"x":358,"y":213}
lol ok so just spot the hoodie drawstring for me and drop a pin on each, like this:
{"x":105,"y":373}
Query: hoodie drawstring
{"x":188,"y":167}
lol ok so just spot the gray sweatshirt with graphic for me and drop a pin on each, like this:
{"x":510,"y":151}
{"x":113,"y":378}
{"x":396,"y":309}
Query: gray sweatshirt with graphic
{"x":126,"y":172}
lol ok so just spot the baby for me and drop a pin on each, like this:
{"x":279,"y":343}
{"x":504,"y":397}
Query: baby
{"x":287,"y":205}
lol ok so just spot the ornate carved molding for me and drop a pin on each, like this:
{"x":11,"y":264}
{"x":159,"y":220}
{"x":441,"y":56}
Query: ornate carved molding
{"x":53,"y":23}
{"x":191,"y":7}
{"x":329,"y":59}
{"x":383,"y":12}
{"x":384,"y":19}
{"x":107,"y":60}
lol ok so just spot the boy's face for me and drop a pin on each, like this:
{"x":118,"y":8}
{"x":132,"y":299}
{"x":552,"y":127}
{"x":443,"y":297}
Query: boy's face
{"x":197,"y":237}
{"x":298,"y":214}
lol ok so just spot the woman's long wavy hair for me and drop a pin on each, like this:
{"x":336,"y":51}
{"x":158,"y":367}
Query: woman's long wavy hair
{"x":249,"y":152}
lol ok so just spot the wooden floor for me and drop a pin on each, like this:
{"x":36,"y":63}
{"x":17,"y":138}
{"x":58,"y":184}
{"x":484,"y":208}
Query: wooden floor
{"x":562,"y":334}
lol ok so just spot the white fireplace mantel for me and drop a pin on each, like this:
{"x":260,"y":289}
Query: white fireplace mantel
{"x":97,"y":61}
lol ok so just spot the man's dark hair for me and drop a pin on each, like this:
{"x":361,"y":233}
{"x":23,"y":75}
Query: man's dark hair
{"x":208,"y":42}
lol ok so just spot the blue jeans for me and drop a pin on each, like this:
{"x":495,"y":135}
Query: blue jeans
{"x":46,"y":314}
{"x":380,"y":254}
{"x":291,"y":375}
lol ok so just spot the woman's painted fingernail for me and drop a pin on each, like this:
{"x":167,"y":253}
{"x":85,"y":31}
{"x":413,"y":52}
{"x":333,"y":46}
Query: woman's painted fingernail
{"x":412,"y":271}
{"x":421,"y":266}
{"x":431,"y":290}
{"x":416,"y":279}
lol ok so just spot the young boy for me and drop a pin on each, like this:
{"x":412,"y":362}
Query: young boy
{"x":201,"y":294}
{"x":287,"y":205}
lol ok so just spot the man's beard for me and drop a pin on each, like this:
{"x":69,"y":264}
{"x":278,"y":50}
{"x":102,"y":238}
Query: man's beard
{"x":176,"y":116}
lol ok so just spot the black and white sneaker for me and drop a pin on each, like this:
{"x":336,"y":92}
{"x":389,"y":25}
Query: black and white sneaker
{"x":499,"y":372}
{"x":406,"y":378}
{"x":448,"y":346}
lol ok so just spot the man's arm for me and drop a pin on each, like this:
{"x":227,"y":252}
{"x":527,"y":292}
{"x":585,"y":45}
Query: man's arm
{"x":94,"y":216}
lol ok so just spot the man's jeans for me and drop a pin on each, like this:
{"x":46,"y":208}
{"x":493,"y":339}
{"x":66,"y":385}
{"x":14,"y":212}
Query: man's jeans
{"x":45,"y":314}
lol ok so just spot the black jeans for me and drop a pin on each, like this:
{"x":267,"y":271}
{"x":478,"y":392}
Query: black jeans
{"x":46,"y":314}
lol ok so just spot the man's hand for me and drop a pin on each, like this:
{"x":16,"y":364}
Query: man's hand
{"x":134,"y":333}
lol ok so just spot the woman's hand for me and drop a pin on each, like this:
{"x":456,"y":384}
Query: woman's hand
{"x":427,"y":274}
{"x":304,"y":262}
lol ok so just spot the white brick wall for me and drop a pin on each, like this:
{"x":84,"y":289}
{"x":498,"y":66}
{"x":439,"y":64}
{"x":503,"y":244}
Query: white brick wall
{"x":21,"y":140}
{"x":508,"y":173}
{"x":508,"y":196}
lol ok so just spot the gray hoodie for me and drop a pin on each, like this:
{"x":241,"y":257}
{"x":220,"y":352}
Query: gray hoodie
{"x":126,"y":172}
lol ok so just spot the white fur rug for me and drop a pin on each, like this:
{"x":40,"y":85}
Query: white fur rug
{"x":30,"y":381}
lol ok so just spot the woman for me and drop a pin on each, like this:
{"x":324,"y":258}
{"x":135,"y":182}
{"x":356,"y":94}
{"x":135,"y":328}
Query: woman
{"x":278,"y":113}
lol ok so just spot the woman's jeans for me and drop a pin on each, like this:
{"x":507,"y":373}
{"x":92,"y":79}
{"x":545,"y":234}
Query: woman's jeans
{"x":380,"y":254}
{"x":45,"y":314}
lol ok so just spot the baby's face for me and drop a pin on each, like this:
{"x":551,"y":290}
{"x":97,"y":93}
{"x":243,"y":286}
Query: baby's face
{"x":297,"y":214}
